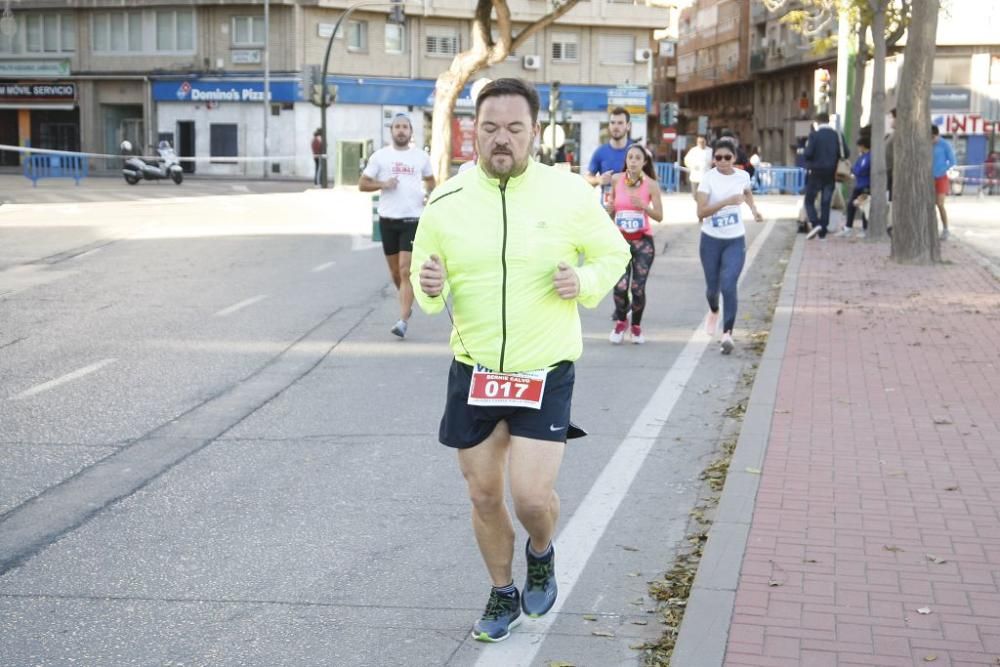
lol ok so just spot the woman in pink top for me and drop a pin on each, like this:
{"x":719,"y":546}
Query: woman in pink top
{"x":635,"y":198}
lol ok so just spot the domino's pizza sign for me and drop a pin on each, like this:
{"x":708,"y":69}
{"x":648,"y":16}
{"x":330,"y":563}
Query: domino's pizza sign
{"x":184,"y":91}
{"x":224,"y":90}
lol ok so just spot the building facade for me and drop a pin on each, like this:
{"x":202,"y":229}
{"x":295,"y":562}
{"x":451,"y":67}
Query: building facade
{"x":87,"y":77}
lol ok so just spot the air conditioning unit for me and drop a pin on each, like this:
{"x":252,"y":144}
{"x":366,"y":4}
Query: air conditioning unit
{"x":532,"y":62}
{"x":643,"y":55}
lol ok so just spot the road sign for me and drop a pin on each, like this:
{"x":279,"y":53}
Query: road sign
{"x":669,"y":134}
{"x":560,"y":136}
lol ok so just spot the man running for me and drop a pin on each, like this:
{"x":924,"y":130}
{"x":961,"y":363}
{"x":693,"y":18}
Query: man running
{"x":503,"y":240}
{"x":397,"y":171}
{"x":697,"y":161}
{"x":609,"y":158}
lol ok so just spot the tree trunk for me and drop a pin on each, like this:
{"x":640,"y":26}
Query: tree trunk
{"x":853,"y":131}
{"x":446,"y":91}
{"x":879,"y":196}
{"x":914,"y":231}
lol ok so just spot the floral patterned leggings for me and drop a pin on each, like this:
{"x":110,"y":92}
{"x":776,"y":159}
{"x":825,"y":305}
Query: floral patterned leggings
{"x":643,"y":252}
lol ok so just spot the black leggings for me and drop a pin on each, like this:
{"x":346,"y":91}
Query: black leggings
{"x":643,"y":252}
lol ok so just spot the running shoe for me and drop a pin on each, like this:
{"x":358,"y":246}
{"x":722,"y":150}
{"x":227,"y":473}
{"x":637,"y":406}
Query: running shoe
{"x":618,"y":333}
{"x":540,"y":588}
{"x":845,"y":233}
{"x":712,"y":323}
{"x":862,"y":234}
{"x":945,"y":234}
{"x":399,"y":328}
{"x":637,"y":336}
{"x":814,"y":231}
{"x":503,"y":612}
{"x":727,"y":343}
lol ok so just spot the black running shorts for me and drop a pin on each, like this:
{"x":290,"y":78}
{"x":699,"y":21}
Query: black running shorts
{"x":464,"y":425}
{"x":397,"y":234}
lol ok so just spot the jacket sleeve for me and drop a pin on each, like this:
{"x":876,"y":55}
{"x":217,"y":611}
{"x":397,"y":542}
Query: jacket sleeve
{"x":425,"y":244}
{"x":605,"y":252}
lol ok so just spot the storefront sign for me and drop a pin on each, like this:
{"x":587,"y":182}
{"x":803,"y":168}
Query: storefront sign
{"x":633,"y":98}
{"x":948,"y":98}
{"x":245,"y":56}
{"x":223,"y":91}
{"x":958,"y":124}
{"x":34,"y":68}
{"x":14,"y":91}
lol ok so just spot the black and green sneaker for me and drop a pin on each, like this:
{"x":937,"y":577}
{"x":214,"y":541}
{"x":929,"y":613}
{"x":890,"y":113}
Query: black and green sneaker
{"x":503,"y":612}
{"x":540,"y":588}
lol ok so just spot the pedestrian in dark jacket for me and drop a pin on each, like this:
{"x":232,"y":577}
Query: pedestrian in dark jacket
{"x":862,"y":171}
{"x":824,"y":148}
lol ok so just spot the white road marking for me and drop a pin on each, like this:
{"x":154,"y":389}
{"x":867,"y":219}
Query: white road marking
{"x":322,"y":267}
{"x":577,"y":540}
{"x":88,"y":253}
{"x":362,"y":242}
{"x":69,"y":377}
{"x":241,"y":305}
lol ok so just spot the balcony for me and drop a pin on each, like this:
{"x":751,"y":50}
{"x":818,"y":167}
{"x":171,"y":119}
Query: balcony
{"x":758,"y":12}
{"x":758,"y":61}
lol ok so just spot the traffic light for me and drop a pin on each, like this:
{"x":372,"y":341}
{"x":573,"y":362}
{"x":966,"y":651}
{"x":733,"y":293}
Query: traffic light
{"x":316,"y":95}
{"x":553,"y":101}
{"x":668,"y":113}
{"x":397,"y":13}
{"x":821,"y":89}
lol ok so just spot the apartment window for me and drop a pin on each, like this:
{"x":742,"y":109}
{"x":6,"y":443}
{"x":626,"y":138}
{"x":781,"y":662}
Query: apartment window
{"x":175,"y":30}
{"x":616,"y":49}
{"x":248,"y":31}
{"x":117,"y":32}
{"x":42,"y":33}
{"x":357,"y":36}
{"x":441,"y":41}
{"x":495,"y":35}
{"x":565,"y":47}
{"x":951,"y":71}
{"x":223,"y":141}
{"x":395,"y":38}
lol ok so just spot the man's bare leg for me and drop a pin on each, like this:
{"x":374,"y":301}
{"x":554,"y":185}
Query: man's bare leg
{"x":483,"y":467}
{"x":393,"y":262}
{"x":405,"y":287}
{"x":534,"y":468}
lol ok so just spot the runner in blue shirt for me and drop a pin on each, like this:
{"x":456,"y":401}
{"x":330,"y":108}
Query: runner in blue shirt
{"x":609,"y":158}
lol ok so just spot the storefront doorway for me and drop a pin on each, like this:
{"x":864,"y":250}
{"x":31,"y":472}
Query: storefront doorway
{"x":8,"y":136}
{"x":56,"y":129}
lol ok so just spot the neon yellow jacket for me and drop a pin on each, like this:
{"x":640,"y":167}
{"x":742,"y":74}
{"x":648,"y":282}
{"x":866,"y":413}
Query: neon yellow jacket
{"x":500,"y":250}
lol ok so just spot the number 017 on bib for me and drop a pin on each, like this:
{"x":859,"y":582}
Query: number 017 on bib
{"x":489,"y":388}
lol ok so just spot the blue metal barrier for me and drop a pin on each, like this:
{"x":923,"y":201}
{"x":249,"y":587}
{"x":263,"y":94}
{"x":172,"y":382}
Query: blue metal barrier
{"x":50,"y":165}
{"x":669,"y":176}
{"x":779,"y":180}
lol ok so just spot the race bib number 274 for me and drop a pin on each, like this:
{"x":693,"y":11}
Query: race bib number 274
{"x":489,"y":388}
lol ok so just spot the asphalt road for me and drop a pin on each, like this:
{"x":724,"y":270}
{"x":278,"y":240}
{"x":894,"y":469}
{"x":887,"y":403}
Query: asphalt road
{"x":212,"y":451}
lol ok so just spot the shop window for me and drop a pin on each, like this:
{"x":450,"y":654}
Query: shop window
{"x":616,"y":49}
{"x":565,"y":47}
{"x":223,"y":141}
{"x":175,"y":30}
{"x":116,"y":32}
{"x":952,"y":71}
{"x":441,"y":41}
{"x":395,"y":38}
{"x":248,"y":31}
{"x":357,"y":36}
{"x":994,"y":70}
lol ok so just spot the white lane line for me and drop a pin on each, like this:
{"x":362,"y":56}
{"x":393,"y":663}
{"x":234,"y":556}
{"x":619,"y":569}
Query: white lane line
{"x":577,"y":540}
{"x":322,"y":267}
{"x":241,"y":305}
{"x":88,"y":253}
{"x":69,"y":377}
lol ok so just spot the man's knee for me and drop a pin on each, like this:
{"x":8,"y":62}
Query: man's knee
{"x":533,"y":504}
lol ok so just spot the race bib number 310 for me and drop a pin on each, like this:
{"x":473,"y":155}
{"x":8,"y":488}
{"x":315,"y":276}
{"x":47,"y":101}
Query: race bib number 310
{"x":489,"y":388}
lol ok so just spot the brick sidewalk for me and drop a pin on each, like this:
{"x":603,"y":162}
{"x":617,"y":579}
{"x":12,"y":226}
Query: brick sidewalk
{"x":880,"y":491}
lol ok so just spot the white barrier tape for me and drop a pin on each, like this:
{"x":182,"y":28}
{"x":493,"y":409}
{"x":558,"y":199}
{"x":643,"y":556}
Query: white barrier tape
{"x":105,"y":156}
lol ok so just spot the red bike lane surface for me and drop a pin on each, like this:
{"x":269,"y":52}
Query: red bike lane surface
{"x":875,"y":537}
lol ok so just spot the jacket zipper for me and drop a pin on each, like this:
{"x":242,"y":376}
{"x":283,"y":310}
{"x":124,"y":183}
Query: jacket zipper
{"x":503,"y":288}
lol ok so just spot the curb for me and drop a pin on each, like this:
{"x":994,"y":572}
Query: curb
{"x":704,"y":632}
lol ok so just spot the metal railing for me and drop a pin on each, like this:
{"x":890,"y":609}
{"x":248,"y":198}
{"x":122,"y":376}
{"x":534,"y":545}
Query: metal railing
{"x":37,"y":167}
{"x":779,"y":180}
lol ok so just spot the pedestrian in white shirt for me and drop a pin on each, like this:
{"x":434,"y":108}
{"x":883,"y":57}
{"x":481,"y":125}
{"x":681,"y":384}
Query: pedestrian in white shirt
{"x":402,"y":174}
{"x":698,"y":160}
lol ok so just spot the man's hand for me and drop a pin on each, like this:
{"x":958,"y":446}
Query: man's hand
{"x":566,"y":282}
{"x":606,"y":178}
{"x":390,"y":184}
{"x":432,"y":276}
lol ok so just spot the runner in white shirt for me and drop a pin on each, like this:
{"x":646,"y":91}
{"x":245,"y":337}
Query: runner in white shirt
{"x":723,"y":237}
{"x":402,"y":174}
{"x":698,"y":160}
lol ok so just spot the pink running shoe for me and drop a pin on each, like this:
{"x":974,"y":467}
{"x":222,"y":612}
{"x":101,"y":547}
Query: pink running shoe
{"x":637,"y":336}
{"x":618,"y":333}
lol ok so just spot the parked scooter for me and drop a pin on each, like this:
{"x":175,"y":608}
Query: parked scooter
{"x":137,"y":169}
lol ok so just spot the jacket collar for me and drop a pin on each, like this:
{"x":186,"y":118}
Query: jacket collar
{"x":512,"y":183}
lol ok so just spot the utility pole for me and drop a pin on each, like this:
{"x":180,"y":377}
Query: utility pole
{"x":267,"y":79}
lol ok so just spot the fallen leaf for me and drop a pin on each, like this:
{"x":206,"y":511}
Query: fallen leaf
{"x":943,"y":420}
{"x":840,"y":311}
{"x":951,"y":488}
{"x":893,"y":548}
{"x":589,"y":617}
{"x":638,"y":602}
{"x":560,"y":663}
{"x":640,"y":622}
{"x":930,"y":658}
{"x":627,"y":548}
{"x":934,"y":559}
{"x":634,"y":574}
{"x":637,"y":647}
{"x":809,"y":560}
{"x":753,"y":471}
{"x":924,"y":610}
{"x":602,"y":633}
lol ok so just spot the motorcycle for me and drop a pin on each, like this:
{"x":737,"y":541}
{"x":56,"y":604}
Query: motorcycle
{"x":137,"y":169}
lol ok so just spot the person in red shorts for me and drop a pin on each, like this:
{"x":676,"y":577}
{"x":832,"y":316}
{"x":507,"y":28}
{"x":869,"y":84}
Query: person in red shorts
{"x":944,"y":159}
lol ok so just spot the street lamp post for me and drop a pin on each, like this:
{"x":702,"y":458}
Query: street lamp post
{"x":397,"y":15}
{"x":267,"y":78}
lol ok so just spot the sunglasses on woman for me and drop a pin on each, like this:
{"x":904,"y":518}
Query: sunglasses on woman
{"x":722,"y":157}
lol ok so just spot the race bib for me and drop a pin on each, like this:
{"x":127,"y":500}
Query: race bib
{"x":726,"y":217}
{"x":524,"y":390}
{"x":630,"y":221}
